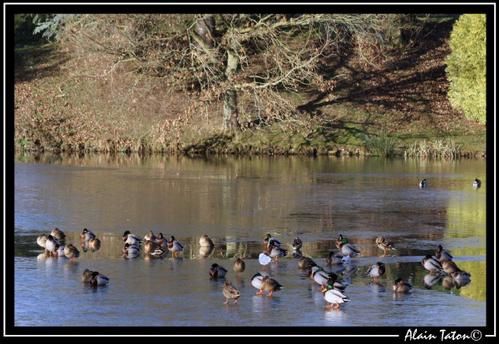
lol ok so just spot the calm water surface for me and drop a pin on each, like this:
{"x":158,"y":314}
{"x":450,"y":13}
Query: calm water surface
{"x":236,"y":202}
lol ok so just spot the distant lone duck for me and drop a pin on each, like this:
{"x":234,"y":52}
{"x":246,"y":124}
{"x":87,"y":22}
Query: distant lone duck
{"x":269,"y":285}
{"x":230,"y":292}
{"x":477,"y":183}
{"x":205,"y":241}
{"x":71,"y":252}
{"x":423,"y":183}
{"x":175,"y":247}
{"x":384,"y":244}
{"x":98,"y":279}
{"x":86,"y":235}
{"x":334,"y":297}
{"x":376,"y":270}
{"x":217,"y":271}
{"x":402,"y":286}
{"x":442,"y":255}
{"x":58,"y":234}
{"x":431,"y":264}
{"x":239,"y":265}
{"x":297,"y":244}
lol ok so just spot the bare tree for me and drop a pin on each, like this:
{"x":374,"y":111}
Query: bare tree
{"x":223,"y":56}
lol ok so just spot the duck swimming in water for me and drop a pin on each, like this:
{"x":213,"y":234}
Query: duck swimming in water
{"x":230,"y":292}
{"x":98,"y":279}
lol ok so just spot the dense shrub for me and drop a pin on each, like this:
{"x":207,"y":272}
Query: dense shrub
{"x":466,"y":66}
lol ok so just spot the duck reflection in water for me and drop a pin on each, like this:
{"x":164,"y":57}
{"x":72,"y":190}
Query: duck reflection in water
{"x":430,"y":280}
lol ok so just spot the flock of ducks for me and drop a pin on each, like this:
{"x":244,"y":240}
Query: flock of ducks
{"x":440,"y":266}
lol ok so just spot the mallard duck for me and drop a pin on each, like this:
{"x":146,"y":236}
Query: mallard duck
{"x":161,"y":241}
{"x":431,"y":264}
{"x":98,"y":279}
{"x":217,"y":271}
{"x":477,"y":183}
{"x":87,"y":275}
{"x":94,"y":244}
{"x":270,"y":241}
{"x":276,"y":252}
{"x":230,"y":292}
{"x":449,"y":267}
{"x":205,"y":241}
{"x":130,"y":251}
{"x":130,"y":238}
{"x":348,"y":250}
{"x":51,"y":246}
{"x":58,"y":234}
{"x":384,"y":244}
{"x":334,"y":297}
{"x":306,"y":263}
{"x":86,"y":235}
{"x":322,"y":277}
{"x":423,"y":183}
{"x":442,"y":254}
{"x":430,"y":280}
{"x":402,"y":286}
{"x":269,"y":285}
{"x":239,"y":265}
{"x":341,"y":240}
{"x":150,"y":246}
{"x":336,"y":259}
{"x":376,"y":270}
{"x":257,"y":280}
{"x":71,"y":252}
{"x":174,"y":246}
{"x":461,"y":278}
{"x":297,"y":244}
{"x":41,"y":240}
{"x":150,"y":236}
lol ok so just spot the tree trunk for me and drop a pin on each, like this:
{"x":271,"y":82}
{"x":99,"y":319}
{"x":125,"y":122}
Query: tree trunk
{"x":231,"y":113}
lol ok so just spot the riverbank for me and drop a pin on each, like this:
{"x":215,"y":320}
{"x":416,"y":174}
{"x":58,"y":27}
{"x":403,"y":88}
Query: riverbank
{"x":65,"y":102}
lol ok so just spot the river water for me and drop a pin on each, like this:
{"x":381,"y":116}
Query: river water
{"x":236,"y":201}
